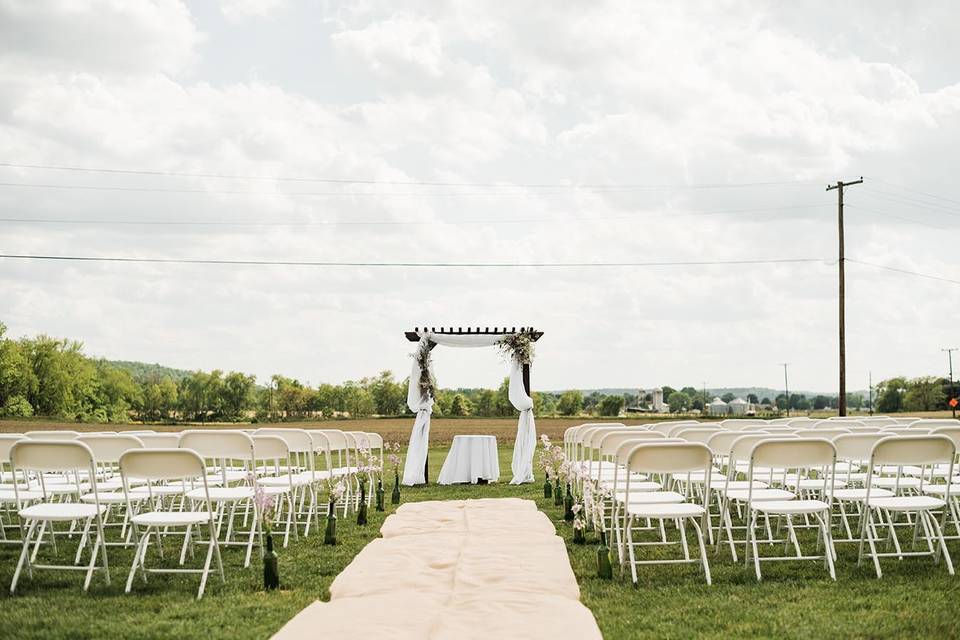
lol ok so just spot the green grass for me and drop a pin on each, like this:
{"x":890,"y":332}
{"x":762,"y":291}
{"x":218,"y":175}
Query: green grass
{"x":795,"y":600}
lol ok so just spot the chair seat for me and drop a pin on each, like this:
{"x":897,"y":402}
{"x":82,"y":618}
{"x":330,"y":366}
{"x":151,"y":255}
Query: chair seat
{"x":222,"y":494}
{"x":117,"y":483}
{"x":813,"y":484}
{"x":907,"y":503}
{"x":941,"y":489}
{"x":760,"y":495}
{"x":904,"y":483}
{"x":907,"y":469}
{"x":277,"y":490}
{"x":675,"y":510}
{"x":651,"y":497}
{"x":298,"y":480}
{"x":25,"y":495}
{"x":343,"y":471}
{"x":60,"y":511}
{"x":699,"y":477}
{"x":859,"y":495}
{"x":788,"y":507}
{"x":170,"y":518}
{"x":634,"y":487}
{"x":109,"y":497}
{"x":159,"y":490}
{"x":65,"y":489}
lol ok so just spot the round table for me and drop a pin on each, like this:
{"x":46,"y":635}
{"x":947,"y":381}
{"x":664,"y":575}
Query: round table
{"x":471,"y":458}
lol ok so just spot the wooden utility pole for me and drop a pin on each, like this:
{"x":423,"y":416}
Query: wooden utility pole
{"x":842,"y":404}
{"x":786,"y":386}
{"x":953,"y":394}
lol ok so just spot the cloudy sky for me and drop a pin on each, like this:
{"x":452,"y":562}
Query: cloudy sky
{"x":494,"y":132}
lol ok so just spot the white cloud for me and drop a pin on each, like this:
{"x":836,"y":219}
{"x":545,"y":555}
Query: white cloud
{"x":625,"y":93}
{"x":238,"y":10}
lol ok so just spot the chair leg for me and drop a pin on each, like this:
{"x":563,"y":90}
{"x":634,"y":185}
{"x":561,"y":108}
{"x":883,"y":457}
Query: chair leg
{"x":24,"y":555}
{"x":94,"y":551}
{"x":138,"y":554}
{"x":703,"y":551}
{"x":943,"y":543}
{"x":630,"y":553}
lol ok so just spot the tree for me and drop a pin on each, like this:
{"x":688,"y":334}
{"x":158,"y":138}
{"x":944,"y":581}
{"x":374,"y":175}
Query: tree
{"x":752,"y":398}
{"x":678,"y":401}
{"x":237,"y":393}
{"x":924,"y":394}
{"x":486,"y":403}
{"x":611,"y":405}
{"x":389,"y":397}
{"x":890,"y":394}
{"x":765,"y":400}
{"x":727,"y":397}
{"x":571,"y":403}
{"x":459,"y":406}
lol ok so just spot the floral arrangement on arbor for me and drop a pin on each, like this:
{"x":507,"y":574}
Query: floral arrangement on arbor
{"x":427,"y":383}
{"x":517,"y":346}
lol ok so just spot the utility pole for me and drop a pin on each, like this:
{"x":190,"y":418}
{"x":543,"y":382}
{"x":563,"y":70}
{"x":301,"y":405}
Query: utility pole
{"x":842,"y":408}
{"x":871,"y":393}
{"x":953,"y":393}
{"x":786,"y":386}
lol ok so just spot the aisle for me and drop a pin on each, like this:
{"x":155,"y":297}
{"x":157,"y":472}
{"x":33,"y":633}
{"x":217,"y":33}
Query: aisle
{"x":488,"y":568}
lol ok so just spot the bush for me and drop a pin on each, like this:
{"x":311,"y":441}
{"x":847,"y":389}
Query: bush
{"x":17,"y":407}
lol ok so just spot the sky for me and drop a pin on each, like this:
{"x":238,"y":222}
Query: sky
{"x":497,"y":132}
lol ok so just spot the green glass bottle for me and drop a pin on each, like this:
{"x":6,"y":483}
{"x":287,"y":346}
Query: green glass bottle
{"x":362,"y":509}
{"x":330,"y":537}
{"x":604,"y":570}
{"x":547,"y":489}
{"x":557,"y":494}
{"x":395,"y":496}
{"x":380,"y":495}
{"x":271,"y":567}
{"x":568,"y":505}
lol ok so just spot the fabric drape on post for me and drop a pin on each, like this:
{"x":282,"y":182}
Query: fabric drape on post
{"x":526,"y":443}
{"x":420,"y":435}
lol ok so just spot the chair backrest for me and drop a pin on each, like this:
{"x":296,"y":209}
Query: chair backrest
{"x":677,"y":428}
{"x":6,"y":443}
{"x":856,"y":447}
{"x":108,"y":449}
{"x":375,"y":440}
{"x":914,"y":450}
{"x":267,"y":447}
{"x":162,"y":464}
{"x":905,"y":431}
{"x":51,"y":455}
{"x":821,"y":433}
{"x":739,"y":424}
{"x":793,"y":453}
{"x":952,"y":432}
{"x":935,"y":423}
{"x":742,"y":447}
{"x":361,"y":440}
{"x":664,"y":427}
{"x":159,"y":440}
{"x":298,"y":440}
{"x":611,"y":441}
{"x":337,"y":439}
{"x":669,"y":457}
{"x":52,"y":435}
{"x":696,"y":434}
{"x":216,"y":443}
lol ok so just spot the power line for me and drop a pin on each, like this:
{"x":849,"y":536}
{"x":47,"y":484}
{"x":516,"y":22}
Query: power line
{"x":890,"y":215}
{"x":924,"y":193}
{"x":323,"y":223}
{"x":905,"y":271}
{"x":908,"y":200}
{"x":317,"y":263}
{"x":421,"y":183}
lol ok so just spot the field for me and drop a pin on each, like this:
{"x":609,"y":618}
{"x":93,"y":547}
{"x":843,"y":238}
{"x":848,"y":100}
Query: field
{"x":914,"y":598}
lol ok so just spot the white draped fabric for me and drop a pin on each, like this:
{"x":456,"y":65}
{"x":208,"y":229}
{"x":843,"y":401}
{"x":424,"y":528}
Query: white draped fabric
{"x":420,"y":435}
{"x":526,"y":443}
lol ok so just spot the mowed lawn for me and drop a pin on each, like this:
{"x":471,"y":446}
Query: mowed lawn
{"x":915,"y":598}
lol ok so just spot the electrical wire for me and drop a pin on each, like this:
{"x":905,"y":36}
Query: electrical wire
{"x":903,"y":271}
{"x":324,"y":223}
{"x":185,"y":174}
{"x":318,"y":263}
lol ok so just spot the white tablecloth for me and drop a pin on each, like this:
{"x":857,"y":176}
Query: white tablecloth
{"x":470,"y":458}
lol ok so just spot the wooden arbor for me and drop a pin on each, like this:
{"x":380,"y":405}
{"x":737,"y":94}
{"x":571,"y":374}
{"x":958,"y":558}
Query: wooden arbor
{"x":413,"y":336}
{"x":487,"y":332}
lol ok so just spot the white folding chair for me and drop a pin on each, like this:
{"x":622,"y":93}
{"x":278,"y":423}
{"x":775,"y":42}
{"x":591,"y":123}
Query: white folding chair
{"x":909,"y":450}
{"x":57,"y":456}
{"x":274,"y":449}
{"x":159,"y":440}
{"x":796,"y":455}
{"x":666,"y":458}
{"x":52,"y":435}
{"x":165,"y":465}
{"x":225,"y":448}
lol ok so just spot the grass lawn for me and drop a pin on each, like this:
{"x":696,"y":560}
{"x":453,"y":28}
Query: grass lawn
{"x":914,"y":598}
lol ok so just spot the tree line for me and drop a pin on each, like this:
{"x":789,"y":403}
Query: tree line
{"x":51,"y":377}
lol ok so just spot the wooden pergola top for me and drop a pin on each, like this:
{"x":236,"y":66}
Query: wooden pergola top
{"x":468,"y":331}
